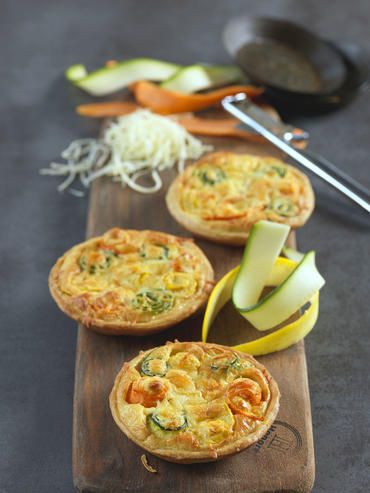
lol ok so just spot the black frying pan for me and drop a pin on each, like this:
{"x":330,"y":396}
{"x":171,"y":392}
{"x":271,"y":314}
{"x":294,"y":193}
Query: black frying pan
{"x":299,"y":70}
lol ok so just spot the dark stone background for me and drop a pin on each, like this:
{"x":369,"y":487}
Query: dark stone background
{"x":38,"y":40}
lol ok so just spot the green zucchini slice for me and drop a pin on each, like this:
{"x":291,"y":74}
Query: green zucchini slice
{"x":120,"y":75}
{"x":154,"y":252}
{"x":153,"y":300}
{"x":279,"y":170}
{"x":154,"y":367}
{"x":263,"y":247}
{"x":75,"y":72}
{"x":283,"y":207}
{"x":292,"y":254}
{"x":200,"y":77}
{"x":99,"y":266}
{"x":168,"y":420}
{"x":211,"y":176}
{"x":265,"y":242}
{"x":223,"y":363}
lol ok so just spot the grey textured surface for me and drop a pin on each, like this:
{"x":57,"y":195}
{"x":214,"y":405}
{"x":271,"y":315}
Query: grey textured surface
{"x":37,"y":41}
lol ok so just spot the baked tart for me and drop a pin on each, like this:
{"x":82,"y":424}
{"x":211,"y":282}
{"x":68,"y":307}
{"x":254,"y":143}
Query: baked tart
{"x":223,"y":194}
{"x":131,"y":282}
{"x":194,"y":402}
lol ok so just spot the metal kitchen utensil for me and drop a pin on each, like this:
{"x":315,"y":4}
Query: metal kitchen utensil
{"x":286,"y":138}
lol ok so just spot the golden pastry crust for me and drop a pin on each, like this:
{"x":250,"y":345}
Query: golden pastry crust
{"x":194,"y":402}
{"x":131,"y":282}
{"x":223,"y":194}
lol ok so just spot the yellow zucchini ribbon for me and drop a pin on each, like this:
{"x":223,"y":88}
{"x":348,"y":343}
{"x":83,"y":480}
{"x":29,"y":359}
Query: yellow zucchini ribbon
{"x":281,"y":338}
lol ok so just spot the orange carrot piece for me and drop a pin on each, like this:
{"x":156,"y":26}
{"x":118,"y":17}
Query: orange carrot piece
{"x":167,"y":102}
{"x":216,"y":127}
{"x":111,"y":63}
{"x":212,"y":127}
{"x":107,"y":109}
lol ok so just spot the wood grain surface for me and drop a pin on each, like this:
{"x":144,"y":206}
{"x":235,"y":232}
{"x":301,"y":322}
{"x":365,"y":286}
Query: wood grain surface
{"x":104,"y":460}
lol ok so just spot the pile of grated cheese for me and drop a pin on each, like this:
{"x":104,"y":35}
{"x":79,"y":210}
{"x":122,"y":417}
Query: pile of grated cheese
{"x":135,"y":145}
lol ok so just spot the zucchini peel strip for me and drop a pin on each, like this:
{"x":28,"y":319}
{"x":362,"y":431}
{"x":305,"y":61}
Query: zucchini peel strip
{"x":198,"y":77}
{"x":119,"y":75}
{"x":296,"y":284}
{"x":174,"y":77}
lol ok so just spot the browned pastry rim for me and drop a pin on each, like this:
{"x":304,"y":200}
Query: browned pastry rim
{"x":80,"y":308}
{"x":234,"y":231}
{"x":118,"y":401}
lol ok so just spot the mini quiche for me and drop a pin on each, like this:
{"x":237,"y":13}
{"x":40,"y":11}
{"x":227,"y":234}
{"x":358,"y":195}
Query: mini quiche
{"x":131,"y":282}
{"x":223,"y":194}
{"x":194,"y":402}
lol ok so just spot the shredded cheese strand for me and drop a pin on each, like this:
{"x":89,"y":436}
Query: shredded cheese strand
{"x":141,"y":143}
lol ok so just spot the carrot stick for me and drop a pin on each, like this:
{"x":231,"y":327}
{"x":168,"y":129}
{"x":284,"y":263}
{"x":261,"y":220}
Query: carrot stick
{"x":106,"y":109}
{"x":167,"y":102}
{"x":212,"y":127}
{"x":216,"y":127}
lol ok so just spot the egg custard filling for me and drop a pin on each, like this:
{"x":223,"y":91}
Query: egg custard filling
{"x":222,"y":195}
{"x":129,"y":279}
{"x":189,"y":402}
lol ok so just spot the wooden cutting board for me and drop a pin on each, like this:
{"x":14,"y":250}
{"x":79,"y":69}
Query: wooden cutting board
{"x":104,"y":460}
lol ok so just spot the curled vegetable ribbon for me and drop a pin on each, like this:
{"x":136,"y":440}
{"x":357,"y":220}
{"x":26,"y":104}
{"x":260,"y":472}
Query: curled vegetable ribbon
{"x":296,"y":284}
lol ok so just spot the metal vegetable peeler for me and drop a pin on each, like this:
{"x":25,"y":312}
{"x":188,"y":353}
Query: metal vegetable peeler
{"x":290,"y":140}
